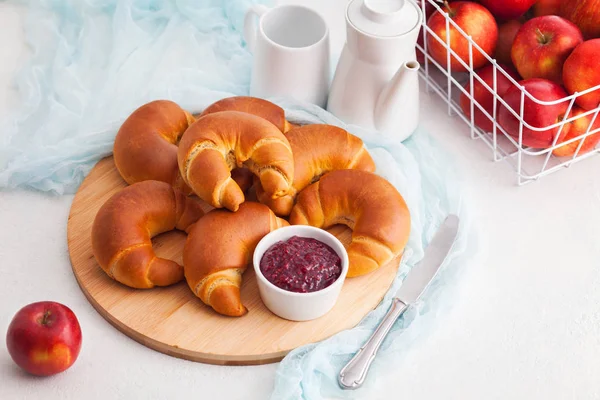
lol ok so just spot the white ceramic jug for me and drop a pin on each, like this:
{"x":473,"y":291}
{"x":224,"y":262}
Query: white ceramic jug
{"x":376,"y":83}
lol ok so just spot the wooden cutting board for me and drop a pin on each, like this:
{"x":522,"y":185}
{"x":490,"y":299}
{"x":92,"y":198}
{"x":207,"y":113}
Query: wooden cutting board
{"x":173,"y":321}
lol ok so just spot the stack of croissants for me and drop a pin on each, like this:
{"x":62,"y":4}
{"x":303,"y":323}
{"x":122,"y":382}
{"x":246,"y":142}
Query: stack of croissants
{"x":317,"y":175}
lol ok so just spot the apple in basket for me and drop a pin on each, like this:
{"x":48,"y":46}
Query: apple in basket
{"x":546,"y":7}
{"x":576,"y":128}
{"x":476,"y":21}
{"x":429,"y":10}
{"x":585,"y":14}
{"x":581,"y":72}
{"x":542,"y":45}
{"x":507,"y":9}
{"x":536,"y":115}
{"x":484,"y":96}
{"x":44,"y":338}
{"x":506,"y":36}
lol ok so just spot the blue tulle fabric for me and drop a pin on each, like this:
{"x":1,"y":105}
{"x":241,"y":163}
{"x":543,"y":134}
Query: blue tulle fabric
{"x":422,"y":172}
{"x":95,"y":61}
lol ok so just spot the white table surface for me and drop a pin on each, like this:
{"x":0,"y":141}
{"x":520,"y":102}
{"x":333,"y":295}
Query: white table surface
{"x":525,"y":323}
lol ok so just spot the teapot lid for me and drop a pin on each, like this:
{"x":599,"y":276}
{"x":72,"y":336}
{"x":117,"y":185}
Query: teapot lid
{"x":385,"y":18}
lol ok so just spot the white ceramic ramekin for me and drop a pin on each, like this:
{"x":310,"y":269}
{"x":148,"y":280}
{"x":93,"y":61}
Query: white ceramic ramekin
{"x":299,"y":306}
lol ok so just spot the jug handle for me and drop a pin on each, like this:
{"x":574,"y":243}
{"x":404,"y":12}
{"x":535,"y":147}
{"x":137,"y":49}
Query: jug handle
{"x":250,"y":25}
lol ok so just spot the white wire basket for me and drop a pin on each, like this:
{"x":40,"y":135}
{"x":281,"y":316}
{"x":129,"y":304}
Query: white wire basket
{"x":529,"y":163}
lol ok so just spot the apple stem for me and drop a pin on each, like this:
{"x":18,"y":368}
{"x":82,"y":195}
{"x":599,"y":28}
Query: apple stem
{"x":451,"y":12}
{"x":541,"y":37}
{"x":45,"y":317}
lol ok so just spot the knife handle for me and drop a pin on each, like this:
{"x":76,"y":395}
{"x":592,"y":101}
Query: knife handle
{"x":353,"y":375}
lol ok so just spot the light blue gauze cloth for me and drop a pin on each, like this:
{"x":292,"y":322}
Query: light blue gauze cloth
{"x":95,"y":61}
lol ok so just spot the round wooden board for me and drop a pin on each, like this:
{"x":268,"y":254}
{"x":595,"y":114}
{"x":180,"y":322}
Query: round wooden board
{"x":173,"y":321}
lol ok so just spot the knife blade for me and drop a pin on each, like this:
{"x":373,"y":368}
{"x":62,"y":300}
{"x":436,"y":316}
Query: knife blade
{"x":353,"y":375}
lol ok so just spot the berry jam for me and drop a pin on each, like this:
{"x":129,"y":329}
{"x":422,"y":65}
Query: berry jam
{"x":301,"y":265}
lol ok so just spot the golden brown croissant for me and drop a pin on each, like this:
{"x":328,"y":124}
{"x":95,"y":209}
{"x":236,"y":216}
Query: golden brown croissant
{"x":146,"y":145}
{"x":255,"y":106}
{"x":219,"y":142}
{"x":366,"y":203}
{"x":252,"y":105}
{"x":219,"y":248}
{"x":125,"y":224}
{"x":317,"y":149}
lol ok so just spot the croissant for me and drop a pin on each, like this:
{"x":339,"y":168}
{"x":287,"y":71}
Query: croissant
{"x":219,"y":142}
{"x":146,"y":144}
{"x":218,"y":249}
{"x":125,"y":224}
{"x":366,"y":203}
{"x":251,"y":105}
{"x":317,"y":149}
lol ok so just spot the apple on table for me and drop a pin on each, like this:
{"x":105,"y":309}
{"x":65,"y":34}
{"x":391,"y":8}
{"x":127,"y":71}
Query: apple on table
{"x":44,"y":338}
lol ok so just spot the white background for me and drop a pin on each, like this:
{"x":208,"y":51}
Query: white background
{"x":524,"y":324}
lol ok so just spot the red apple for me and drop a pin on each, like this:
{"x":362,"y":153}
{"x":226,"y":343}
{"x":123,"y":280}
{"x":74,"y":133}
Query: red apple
{"x":420,"y":55}
{"x":484,"y":97}
{"x":506,"y":36}
{"x":534,"y":114}
{"x":507,"y":9}
{"x":542,"y":45}
{"x":582,"y":71}
{"x":472,"y":18}
{"x":44,"y":338}
{"x":577,"y":128}
{"x":429,"y":10}
{"x":585,"y":14}
{"x":546,"y":7}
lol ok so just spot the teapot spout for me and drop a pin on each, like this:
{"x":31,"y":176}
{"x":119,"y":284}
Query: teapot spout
{"x":397,"y":108}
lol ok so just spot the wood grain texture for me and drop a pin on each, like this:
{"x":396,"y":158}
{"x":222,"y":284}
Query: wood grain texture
{"x":173,"y":321}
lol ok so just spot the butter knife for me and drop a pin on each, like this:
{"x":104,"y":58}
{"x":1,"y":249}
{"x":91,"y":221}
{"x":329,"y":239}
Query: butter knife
{"x":353,"y":375}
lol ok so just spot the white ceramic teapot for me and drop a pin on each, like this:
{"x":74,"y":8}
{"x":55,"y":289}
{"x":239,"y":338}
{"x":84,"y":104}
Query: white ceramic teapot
{"x":376,"y":83}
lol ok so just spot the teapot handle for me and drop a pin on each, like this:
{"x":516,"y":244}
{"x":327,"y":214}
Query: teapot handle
{"x":250,"y":25}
